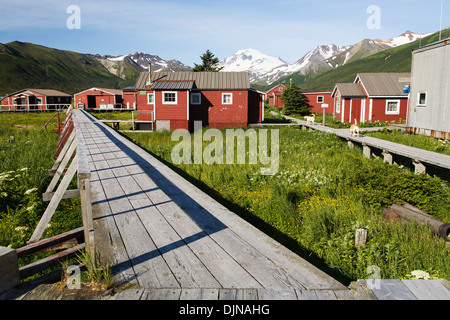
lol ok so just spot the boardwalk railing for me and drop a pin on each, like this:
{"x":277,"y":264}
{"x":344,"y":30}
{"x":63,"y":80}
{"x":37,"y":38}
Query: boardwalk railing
{"x":71,"y":146}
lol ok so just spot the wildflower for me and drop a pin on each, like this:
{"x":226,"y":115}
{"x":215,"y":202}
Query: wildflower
{"x":23,"y":169}
{"x":30,"y":190}
{"x":30,"y":208}
{"x":20,"y":229}
{"x":419,"y":274}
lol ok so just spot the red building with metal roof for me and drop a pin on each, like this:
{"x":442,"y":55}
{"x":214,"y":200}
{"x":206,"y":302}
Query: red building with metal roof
{"x":174,"y":100}
{"x":36,"y":99}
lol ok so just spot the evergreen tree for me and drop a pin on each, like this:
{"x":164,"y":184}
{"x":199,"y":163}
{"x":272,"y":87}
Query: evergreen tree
{"x":295,"y":102}
{"x":209,"y":63}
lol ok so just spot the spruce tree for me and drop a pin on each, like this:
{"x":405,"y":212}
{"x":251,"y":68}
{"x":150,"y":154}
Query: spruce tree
{"x":295,"y":102}
{"x":209,"y":63}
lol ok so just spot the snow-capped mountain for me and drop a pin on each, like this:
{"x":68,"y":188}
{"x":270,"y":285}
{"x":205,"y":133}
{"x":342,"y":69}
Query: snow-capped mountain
{"x":131,"y":64}
{"x":316,"y":61}
{"x":251,"y":60}
{"x":157,"y":64}
{"x":313,"y":62}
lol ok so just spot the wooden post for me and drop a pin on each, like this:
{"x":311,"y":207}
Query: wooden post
{"x":350,"y":143}
{"x":419,"y":167}
{"x":360,"y":237}
{"x":9,"y":269}
{"x":366,"y":151}
{"x":84,"y":186}
{"x":387,"y":157}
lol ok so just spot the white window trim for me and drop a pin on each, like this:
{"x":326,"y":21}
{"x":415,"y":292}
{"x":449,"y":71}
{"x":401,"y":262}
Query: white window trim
{"x":148,"y":96}
{"x":323,"y":99}
{"x":418,"y":99}
{"x":392,"y":112}
{"x":170,"y":102}
{"x":231,"y":95}
{"x":196,"y":94}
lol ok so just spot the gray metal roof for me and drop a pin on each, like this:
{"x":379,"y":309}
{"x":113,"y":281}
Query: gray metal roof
{"x":384,"y":83}
{"x":172,"y":85}
{"x":201,"y":80}
{"x":349,"y":90}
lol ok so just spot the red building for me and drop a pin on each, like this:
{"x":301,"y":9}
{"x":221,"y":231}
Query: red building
{"x":176,"y":99}
{"x":273,"y":96}
{"x":99,"y":98}
{"x":318,"y":98}
{"x":372,"y":97}
{"x":37,"y":99}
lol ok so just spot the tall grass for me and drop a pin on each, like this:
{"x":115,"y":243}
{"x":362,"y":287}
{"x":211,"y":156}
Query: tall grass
{"x":24,"y":165}
{"x":322,"y":193}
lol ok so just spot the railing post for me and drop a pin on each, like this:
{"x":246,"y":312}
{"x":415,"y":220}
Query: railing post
{"x":84,"y":186}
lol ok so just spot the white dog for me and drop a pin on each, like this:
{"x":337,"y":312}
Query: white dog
{"x":354,"y":129}
{"x":311,"y":119}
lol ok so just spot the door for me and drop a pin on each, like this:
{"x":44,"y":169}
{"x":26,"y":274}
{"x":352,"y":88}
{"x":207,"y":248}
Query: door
{"x":91,"y":102}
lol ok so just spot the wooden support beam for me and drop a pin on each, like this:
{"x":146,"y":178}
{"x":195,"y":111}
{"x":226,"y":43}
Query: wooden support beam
{"x":62,"y":153}
{"x":69,"y":194}
{"x":367,"y":151}
{"x":350,"y":143}
{"x":59,"y":172}
{"x":387,"y":157}
{"x":419,"y":167}
{"x":49,"y":243}
{"x":48,"y":262}
{"x":37,"y":234}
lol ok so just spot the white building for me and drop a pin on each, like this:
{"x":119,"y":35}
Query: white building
{"x":429,"y":104}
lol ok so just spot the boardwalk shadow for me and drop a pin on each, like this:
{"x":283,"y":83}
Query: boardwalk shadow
{"x":202,"y":217}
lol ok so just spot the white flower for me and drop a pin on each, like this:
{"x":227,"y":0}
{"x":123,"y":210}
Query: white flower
{"x":30,"y":208}
{"x":419,"y":274}
{"x":19,"y":229}
{"x":23,"y":169}
{"x":30,"y":190}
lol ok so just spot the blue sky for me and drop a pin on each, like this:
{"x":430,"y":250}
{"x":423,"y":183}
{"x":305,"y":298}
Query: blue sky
{"x":184,"y":29}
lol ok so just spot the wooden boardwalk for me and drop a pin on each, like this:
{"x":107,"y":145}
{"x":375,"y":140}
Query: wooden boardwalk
{"x":388,"y":148}
{"x":158,"y":231}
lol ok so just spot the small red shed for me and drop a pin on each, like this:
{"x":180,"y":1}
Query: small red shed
{"x":175,"y":100}
{"x":37,"y":99}
{"x":273,"y":96}
{"x":99,"y":98}
{"x":372,"y":97}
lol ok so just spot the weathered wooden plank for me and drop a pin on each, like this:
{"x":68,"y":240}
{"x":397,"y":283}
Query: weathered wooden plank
{"x":161,"y":294}
{"x":199,"y":294}
{"x":49,"y":242}
{"x":247,"y":294}
{"x":147,"y":262}
{"x":325,"y":295}
{"x":306,"y":294}
{"x":274,"y":294}
{"x":393,"y":290}
{"x":129,"y":294}
{"x":427,"y":289}
{"x":48,"y":262}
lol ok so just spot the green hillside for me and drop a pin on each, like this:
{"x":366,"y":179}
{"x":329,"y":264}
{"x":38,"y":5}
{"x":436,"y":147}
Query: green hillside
{"x":392,"y":60}
{"x":26,"y":65}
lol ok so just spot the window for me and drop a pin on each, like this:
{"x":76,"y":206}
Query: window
{"x":393,"y":107}
{"x":196,"y":98}
{"x":151,"y":98}
{"x":38,"y":100}
{"x":170,"y":97}
{"x":280,"y":89}
{"x":319,"y":99}
{"x":227,"y":98}
{"x":422,"y":99}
